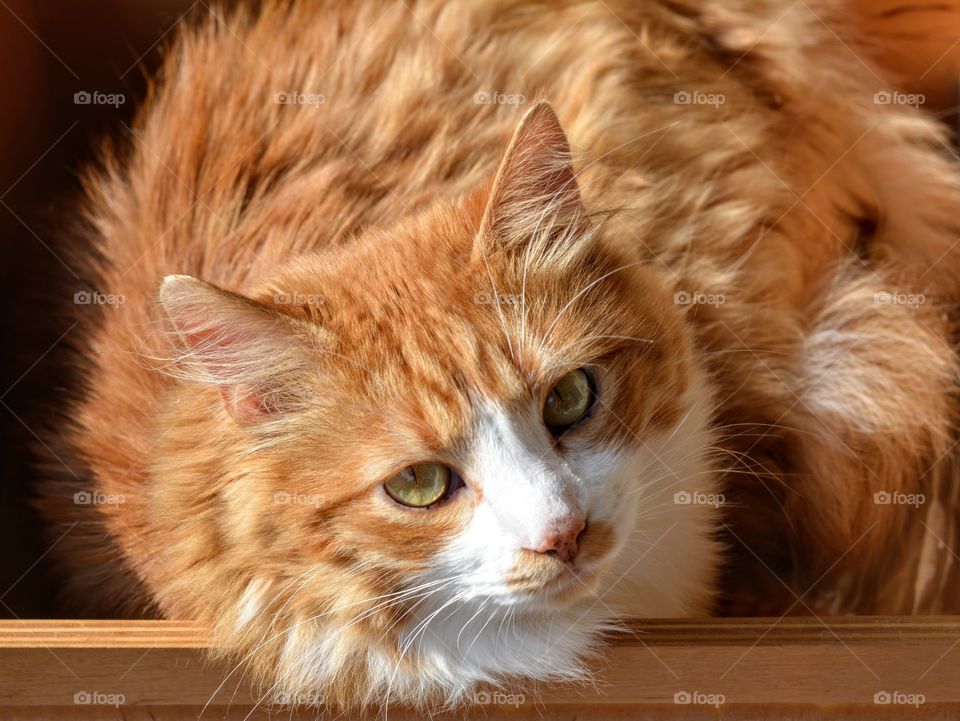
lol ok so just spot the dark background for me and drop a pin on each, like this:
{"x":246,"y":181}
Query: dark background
{"x":50,"y":50}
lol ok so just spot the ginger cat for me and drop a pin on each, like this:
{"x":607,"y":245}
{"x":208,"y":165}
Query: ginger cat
{"x":446,"y":335}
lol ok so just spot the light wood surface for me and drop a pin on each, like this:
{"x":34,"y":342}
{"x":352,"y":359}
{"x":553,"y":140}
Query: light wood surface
{"x":756,"y":668}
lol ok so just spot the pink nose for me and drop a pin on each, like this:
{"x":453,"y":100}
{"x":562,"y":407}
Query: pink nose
{"x":562,"y":541}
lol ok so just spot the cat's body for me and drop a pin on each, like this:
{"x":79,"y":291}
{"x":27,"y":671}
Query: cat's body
{"x":731,"y":317}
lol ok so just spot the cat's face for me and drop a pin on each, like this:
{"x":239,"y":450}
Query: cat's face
{"x":467,"y":410}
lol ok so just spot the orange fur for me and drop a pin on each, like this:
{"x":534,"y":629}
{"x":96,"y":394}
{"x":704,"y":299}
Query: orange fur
{"x":369,"y":256}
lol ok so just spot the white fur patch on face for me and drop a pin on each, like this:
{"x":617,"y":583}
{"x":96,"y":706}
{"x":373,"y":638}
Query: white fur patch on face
{"x":475,"y":628}
{"x":526,"y":492}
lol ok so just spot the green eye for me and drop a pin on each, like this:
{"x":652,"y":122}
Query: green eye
{"x":569,"y":401}
{"x":420,"y":485}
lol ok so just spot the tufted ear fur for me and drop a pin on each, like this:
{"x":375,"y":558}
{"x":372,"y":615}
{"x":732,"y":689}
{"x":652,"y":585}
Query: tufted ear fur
{"x":535,"y":198}
{"x":250,"y":352}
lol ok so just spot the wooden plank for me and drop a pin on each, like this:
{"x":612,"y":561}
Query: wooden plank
{"x":102,"y":634}
{"x":608,"y":713}
{"x":659,"y":632}
{"x":663,"y":664}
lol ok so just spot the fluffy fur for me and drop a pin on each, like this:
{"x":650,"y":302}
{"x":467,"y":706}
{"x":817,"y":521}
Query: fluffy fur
{"x":399,"y":274}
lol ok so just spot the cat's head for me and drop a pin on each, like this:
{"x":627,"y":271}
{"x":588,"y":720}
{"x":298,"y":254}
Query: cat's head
{"x":445,"y":453}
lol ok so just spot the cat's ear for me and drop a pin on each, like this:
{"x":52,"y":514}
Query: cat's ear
{"x":250,"y":352}
{"x":535,"y":197}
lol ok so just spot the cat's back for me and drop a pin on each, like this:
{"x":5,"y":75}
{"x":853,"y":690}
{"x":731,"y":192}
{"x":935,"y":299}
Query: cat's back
{"x":273,"y":132}
{"x":290,"y":128}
